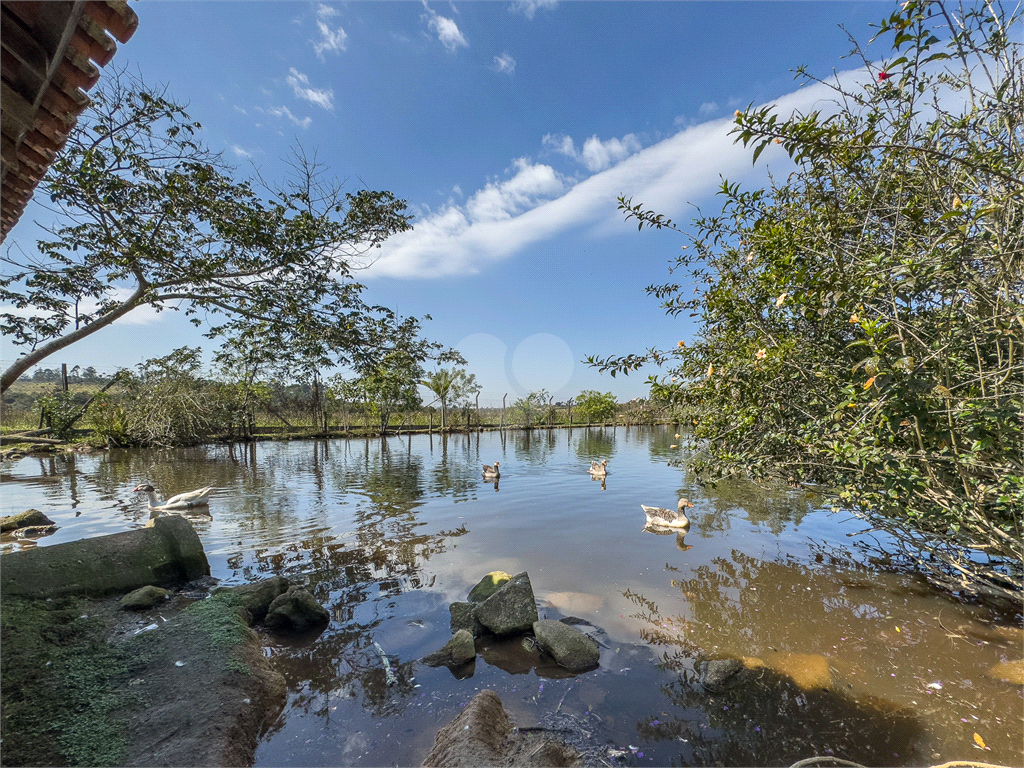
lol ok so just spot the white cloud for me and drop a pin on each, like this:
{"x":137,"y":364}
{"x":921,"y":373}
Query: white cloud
{"x":530,"y":7}
{"x":447,"y":30}
{"x":239,"y":152}
{"x":707,"y":109}
{"x":330,"y":39}
{"x":537,"y":204}
{"x":285,"y":112}
{"x":596,"y":155}
{"x":504,"y":63}
{"x":300,"y":84}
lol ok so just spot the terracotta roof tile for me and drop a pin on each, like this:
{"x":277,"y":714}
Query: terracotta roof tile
{"x":47,"y":65}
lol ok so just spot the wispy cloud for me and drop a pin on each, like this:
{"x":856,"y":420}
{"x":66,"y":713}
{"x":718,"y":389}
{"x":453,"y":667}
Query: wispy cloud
{"x":330,"y":39}
{"x":596,"y":155}
{"x":447,"y":30}
{"x":530,"y":7}
{"x":537,"y":203}
{"x":239,"y":152}
{"x":285,"y":112}
{"x":504,"y":63}
{"x":708,"y":108}
{"x":300,"y":84}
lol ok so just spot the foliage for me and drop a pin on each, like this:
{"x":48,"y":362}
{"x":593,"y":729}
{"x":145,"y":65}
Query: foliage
{"x":861,"y":321}
{"x":167,"y":402}
{"x":143,"y":205}
{"x":532,"y":406}
{"x":596,"y":406}
{"x":452,"y":386}
{"x":60,"y":410}
{"x":386,"y":387}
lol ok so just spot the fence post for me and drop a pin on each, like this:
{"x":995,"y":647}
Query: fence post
{"x":501,"y":424}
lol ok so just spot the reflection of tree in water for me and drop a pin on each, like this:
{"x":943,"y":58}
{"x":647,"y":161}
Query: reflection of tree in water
{"x":596,"y":444}
{"x":772,"y":507}
{"x":457,"y":472}
{"x":766,"y":719}
{"x":356,"y":578}
{"x":534,"y":446}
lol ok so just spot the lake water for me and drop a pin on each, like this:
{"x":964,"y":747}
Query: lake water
{"x":388,"y":533}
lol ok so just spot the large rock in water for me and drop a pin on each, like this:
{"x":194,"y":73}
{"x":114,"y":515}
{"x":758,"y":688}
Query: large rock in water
{"x":464,"y":617}
{"x":482,"y":735}
{"x":257,"y":597}
{"x":166,"y":555}
{"x":459,"y":650}
{"x":570,"y":647}
{"x":296,"y":610}
{"x":28,"y":519}
{"x":487,"y":586}
{"x":512,"y":608}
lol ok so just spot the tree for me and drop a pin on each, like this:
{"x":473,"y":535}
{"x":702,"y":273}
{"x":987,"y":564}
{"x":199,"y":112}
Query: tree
{"x":861,"y":321}
{"x":387,"y":387}
{"x":147,"y":216}
{"x":530,"y":405}
{"x":595,"y":406}
{"x":451,"y":387}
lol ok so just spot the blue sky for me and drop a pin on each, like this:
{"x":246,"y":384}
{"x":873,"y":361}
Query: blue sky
{"x":510,"y":129}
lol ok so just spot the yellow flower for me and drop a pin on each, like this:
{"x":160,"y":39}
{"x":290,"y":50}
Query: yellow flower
{"x":869,"y":382}
{"x":782,"y":299}
{"x":761,"y":354}
{"x":681,"y":344}
{"x":854,"y":318}
{"x":711,"y":369}
{"x":957,"y":202}
{"x":737,"y":113}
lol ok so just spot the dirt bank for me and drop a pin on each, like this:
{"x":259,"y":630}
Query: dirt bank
{"x":85,"y":682}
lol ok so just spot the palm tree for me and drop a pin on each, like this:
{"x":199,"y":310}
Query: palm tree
{"x":450,"y":386}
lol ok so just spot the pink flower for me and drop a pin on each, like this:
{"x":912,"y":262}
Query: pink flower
{"x":884,"y":76}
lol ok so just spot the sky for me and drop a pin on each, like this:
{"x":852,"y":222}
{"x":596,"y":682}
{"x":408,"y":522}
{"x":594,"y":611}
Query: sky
{"x":510,"y":128}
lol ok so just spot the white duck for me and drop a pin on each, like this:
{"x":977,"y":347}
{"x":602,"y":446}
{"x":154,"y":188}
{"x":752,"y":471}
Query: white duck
{"x":492,"y":472}
{"x":188,"y":500}
{"x":666,"y":517}
{"x":599,"y":470}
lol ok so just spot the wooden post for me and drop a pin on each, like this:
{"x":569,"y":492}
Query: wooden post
{"x":478,"y":410}
{"x":64,"y":375}
{"x":570,"y":411}
{"x":501,"y":425}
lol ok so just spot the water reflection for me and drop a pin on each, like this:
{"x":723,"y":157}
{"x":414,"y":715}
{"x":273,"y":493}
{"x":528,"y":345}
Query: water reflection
{"x":386,"y":533}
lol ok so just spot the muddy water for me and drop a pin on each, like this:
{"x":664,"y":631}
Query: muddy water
{"x":846,"y":659}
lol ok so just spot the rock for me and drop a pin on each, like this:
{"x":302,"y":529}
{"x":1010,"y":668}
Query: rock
{"x":570,"y":647}
{"x":482,"y":734}
{"x":464,"y":618}
{"x":256,"y":598}
{"x":30,"y":517}
{"x":807,"y":670}
{"x":458,"y":651}
{"x":166,"y":555}
{"x":296,"y":610}
{"x":512,"y":608}
{"x":34,"y":531}
{"x":488,"y":585}
{"x":143,"y":598}
{"x":1010,"y":671}
{"x":718,"y":675}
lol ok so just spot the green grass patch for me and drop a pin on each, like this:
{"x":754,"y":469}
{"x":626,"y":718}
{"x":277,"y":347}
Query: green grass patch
{"x":61,"y":684}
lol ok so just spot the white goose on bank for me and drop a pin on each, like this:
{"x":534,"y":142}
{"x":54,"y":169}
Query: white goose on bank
{"x":666,"y":517}
{"x":599,"y":470}
{"x":492,"y":472}
{"x":190,"y":500}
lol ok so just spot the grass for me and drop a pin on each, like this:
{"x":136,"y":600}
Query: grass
{"x":59,"y":683}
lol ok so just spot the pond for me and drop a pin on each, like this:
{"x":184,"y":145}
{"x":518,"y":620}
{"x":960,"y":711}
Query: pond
{"x":860,"y":663}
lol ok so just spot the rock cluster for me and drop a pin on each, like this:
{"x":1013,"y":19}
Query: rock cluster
{"x":504,"y":605}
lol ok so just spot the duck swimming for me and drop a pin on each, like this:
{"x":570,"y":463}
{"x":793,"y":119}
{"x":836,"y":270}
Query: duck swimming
{"x":599,"y":470}
{"x":188,"y":500}
{"x":666,"y":517}
{"x":492,"y":472}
